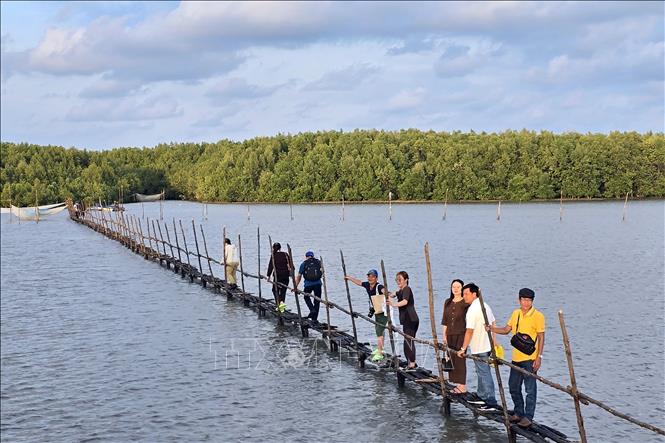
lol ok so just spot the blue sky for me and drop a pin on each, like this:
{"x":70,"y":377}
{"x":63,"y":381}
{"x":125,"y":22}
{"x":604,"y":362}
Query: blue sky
{"x":99,"y":75}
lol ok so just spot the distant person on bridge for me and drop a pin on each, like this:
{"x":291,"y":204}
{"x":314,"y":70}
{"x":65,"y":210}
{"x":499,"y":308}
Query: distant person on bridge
{"x":279,"y":263}
{"x":231,"y":260}
{"x":310,"y":270}
{"x":408,"y":317}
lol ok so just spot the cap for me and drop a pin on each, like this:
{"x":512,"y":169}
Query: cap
{"x":373,"y":272}
{"x":527,"y":293}
{"x":309,"y":254}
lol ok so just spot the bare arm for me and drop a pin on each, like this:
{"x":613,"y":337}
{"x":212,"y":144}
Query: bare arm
{"x":539,"y":348}
{"x":503,"y":331}
{"x":467,"y":339}
{"x":355,"y":281}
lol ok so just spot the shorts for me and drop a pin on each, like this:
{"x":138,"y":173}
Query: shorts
{"x":380,"y":327}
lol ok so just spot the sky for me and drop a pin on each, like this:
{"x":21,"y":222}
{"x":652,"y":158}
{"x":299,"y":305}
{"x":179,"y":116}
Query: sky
{"x":99,"y":75}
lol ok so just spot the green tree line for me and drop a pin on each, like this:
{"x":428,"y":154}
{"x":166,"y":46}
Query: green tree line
{"x":358,"y":166}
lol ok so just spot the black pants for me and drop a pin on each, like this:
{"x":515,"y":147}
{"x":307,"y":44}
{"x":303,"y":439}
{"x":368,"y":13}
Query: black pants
{"x":313,"y":305}
{"x":409,"y":345}
{"x":280,"y":291}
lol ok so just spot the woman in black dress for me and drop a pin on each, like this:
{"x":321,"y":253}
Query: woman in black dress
{"x":407,"y":315}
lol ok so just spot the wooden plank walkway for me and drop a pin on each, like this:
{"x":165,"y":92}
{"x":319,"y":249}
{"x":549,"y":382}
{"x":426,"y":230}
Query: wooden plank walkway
{"x":337,"y":339}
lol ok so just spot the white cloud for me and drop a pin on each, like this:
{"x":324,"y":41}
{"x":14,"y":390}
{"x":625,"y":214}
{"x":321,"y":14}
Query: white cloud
{"x":407,"y":99}
{"x":132,"y":109}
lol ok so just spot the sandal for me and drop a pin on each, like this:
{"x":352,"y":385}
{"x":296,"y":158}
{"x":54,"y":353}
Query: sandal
{"x":457,"y":391}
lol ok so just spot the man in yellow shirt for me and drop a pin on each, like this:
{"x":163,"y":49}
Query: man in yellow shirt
{"x":526,"y":320}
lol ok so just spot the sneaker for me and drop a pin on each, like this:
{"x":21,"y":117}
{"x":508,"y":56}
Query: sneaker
{"x":474,"y":399}
{"x":374,"y":352}
{"x":377,"y":356}
{"x":524,"y":422}
{"x":282,"y":307}
{"x":489,"y":408}
{"x":410,"y":369}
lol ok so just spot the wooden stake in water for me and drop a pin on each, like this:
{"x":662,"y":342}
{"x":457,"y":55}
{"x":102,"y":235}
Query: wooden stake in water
{"x":342,"y":208}
{"x":445,"y":206}
{"x":325,"y":295}
{"x":561,"y":206}
{"x":177,"y":244}
{"x":224,"y":252}
{"x":390,"y":322}
{"x":247,"y":212}
{"x":205,"y":249}
{"x":390,"y":206}
{"x":242,"y":271}
{"x":184,"y":239}
{"x":258,"y":272}
{"x":303,"y":329}
{"x":291,"y":208}
{"x":348,"y":296}
{"x":498,"y":211}
{"x":430,"y":288}
{"x":198,"y":253}
{"x":573,"y":382}
{"x":625,"y":203}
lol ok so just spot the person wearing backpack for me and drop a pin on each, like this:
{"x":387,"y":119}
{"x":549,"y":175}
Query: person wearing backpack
{"x":310,"y":271}
{"x":528,"y":327}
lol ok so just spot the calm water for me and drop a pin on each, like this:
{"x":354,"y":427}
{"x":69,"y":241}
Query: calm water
{"x":99,"y":344}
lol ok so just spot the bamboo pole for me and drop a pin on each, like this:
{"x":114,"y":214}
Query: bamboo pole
{"x":498,"y":211}
{"x":325,"y":295}
{"x":573,"y":382}
{"x":303,"y":329}
{"x":205,"y":249}
{"x":395,"y":360}
{"x":445,"y":206}
{"x":291,"y":207}
{"x":242,"y":272}
{"x":348,"y":296}
{"x":226,"y":278}
{"x":511,"y":433}
{"x":161,"y":237}
{"x":342,"y":208}
{"x":258,"y":260}
{"x":198,"y":253}
{"x":390,"y":205}
{"x":561,"y":205}
{"x":430,"y":288}
{"x":247,"y":212}
{"x":625,"y":203}
{"x":175,"y":232}
{"x":184,"y":239}
{"x":147,"y":222}
{"x":168,"y":238}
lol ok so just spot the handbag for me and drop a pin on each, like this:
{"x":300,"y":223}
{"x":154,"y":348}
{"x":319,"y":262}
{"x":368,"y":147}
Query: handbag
{"x":522,"y":342}
{"x":447,"y":362}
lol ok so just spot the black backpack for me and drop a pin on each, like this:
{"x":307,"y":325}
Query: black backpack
{"x":312,"y":271}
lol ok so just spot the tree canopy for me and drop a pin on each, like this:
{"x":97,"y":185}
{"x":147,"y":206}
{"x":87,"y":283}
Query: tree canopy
{"x":358,"y":166}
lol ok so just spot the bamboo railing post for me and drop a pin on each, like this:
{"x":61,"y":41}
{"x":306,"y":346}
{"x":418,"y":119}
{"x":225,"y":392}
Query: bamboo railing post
{"x":303,"y":328}
{"x":262,"y":310}
{"x":147,"y":222}
{"x":395,"y":359}
{"x":146,"y":253}
{"x":177,"y":243}
{"x":138,"y":235}
{"x":498,"y":212}
{"x":511,"y":434}
{"x":198,"y":255}
{"x":573,"y":382}
{"x":242,"y":272}
{"x":561,"y":205}
{"x":361,"y":356}
{"x":189,"y":263}
{"x":168,"y":239}
{"x":168,"y":264}
{"x":226,"y":278}
{"x":275,"y":286}
{"x":625,"y":204}
{"x":205,"y":249}
{"x":325,"y":295}
{"x":445,"y":206}
{"x":442,"y":379}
